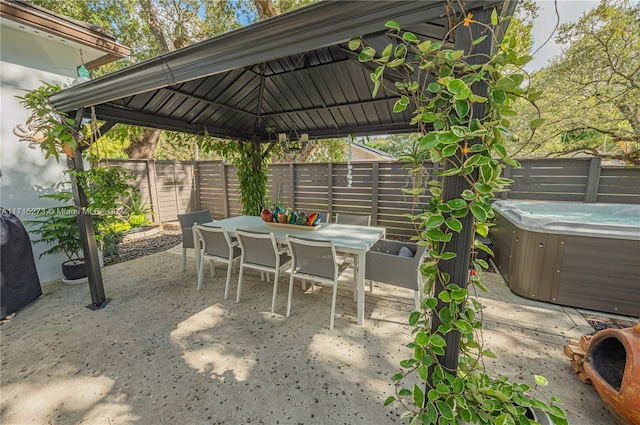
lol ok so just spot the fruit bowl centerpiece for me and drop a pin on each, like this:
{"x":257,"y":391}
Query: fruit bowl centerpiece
{"x":288,"y":218}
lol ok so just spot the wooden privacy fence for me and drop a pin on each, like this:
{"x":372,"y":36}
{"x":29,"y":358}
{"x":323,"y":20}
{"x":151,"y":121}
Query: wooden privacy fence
{"x":174,"y":187}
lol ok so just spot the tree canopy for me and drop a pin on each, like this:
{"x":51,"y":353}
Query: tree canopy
{"x":591,"y":98}
{"x":152,"y":27}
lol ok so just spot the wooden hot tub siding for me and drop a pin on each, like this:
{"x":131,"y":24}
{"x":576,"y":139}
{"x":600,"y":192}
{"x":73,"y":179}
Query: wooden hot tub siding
{"x":578,"y":271}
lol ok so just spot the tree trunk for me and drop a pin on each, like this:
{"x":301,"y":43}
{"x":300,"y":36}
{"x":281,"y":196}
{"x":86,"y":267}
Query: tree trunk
{"x":143,"y":147}
{"x":154,"y":24}
{"x":266,"y":9}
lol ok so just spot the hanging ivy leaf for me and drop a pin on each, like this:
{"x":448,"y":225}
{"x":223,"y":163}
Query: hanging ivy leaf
{"x":454,"y":224}
{"x":434,"y":87}
{"x":462,"y":108}
{"x":393,"y":25}
{"x":450,"y":150}
{"x":425,"y":46}
{"x":541,"y":380}
{"x":477,"y":99}
{"x":517,"y":78}
{"x":536,"y":123}
{"x":523,"y":60}
{"x":434,"y":221}
{"x":456,"y":86}
{"x":409,"y":36}
{"x":401,"y":51}
{"x":506,"y":84}
{"x":401,"y":104}
{"x":479,"y":213}
{"x":445,"y":409}
{"x":354,"y":44}
{"x":499,"y":97}
{"x":435,"y":234}
{"x":448,"y":137}
{"x":478,"y":40}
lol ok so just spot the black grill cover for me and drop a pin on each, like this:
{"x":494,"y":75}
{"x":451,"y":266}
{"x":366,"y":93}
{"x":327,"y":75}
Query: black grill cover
{"x":19,"y":282}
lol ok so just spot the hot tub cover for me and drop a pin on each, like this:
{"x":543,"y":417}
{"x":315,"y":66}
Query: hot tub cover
{"x":616,"y":221}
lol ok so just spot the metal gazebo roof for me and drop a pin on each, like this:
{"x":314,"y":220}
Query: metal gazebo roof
{"x":291,"y":71}
{"x":294,"y":70}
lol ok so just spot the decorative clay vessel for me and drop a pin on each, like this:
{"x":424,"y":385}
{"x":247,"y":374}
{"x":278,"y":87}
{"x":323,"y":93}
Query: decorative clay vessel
{"x":613,"y":364}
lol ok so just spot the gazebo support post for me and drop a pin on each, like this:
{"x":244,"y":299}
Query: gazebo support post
{"x":458,"y":268}
{"x":87,"y":231}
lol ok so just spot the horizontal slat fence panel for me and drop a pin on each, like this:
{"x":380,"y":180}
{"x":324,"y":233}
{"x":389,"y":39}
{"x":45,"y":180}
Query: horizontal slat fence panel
{"x":233,"y":191}
{"x":175,"y":187}
{"x":140,"y":173}
{"x":279,"y":185}
{"x":211,"y":188}
{"x":141,"y":179}
{"x":376,"y":187}
{"x":393,"y":203}
{"x":619,"y":185}
{"x":311,"y":189}
{"x":550,"y":180}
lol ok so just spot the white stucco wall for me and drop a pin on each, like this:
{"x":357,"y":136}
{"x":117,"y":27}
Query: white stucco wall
{"x":25,"y":172}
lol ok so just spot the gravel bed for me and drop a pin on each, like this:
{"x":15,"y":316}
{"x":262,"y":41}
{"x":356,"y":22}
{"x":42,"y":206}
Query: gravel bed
{"x":169,"y":237}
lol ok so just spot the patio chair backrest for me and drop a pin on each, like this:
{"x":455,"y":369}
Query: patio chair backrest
{"x":215,"y":241}
{"x":187,"y":220}
{"x":354,"y":219}
{"x":258,"y":248}
{"x":313,"y":257}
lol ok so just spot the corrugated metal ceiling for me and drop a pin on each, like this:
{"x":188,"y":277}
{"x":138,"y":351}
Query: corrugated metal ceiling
{"x":292,"y":70}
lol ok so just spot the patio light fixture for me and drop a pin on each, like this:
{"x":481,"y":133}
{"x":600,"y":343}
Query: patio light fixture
{"x":291,"y":142}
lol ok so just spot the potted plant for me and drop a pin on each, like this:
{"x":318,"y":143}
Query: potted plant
{"x":104,"y":188}
{"x":58,"y":227}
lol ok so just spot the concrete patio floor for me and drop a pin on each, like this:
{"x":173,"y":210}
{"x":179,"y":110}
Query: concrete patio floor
{"x":162,"y":352}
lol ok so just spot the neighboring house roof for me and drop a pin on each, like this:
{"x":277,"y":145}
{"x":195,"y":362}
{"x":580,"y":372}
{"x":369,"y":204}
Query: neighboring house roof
{"x":366,"y":153}
{"x":100,"y":46}
{"x":293,"y":70}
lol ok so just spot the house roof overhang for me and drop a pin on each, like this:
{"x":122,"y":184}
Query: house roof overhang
{"x":92,"y":36}
{"x":293,"y":70}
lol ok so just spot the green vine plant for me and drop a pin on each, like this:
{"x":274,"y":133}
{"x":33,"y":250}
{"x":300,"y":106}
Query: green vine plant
{"x":444,"y":86}
{"x":46,"y":127}
{"x":107,"y":188}
{"x":251,"y":159}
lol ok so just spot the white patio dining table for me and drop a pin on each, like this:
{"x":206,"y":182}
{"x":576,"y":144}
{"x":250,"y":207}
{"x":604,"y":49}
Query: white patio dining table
{"x":348,"y":239}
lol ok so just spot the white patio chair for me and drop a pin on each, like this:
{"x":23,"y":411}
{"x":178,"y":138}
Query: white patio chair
{"x":261,"y":252}
{"x":216,"y":246}
{"x":187,"y":221}
{"x":316,"y":261}
{"x":356,"y":220}
{"x":396,"y":263}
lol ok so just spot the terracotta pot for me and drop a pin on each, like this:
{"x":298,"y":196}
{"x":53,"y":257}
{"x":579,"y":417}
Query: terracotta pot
{"x":613,"y":364}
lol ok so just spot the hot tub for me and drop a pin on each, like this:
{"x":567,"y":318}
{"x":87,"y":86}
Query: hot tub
{"x":573,"y":254}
